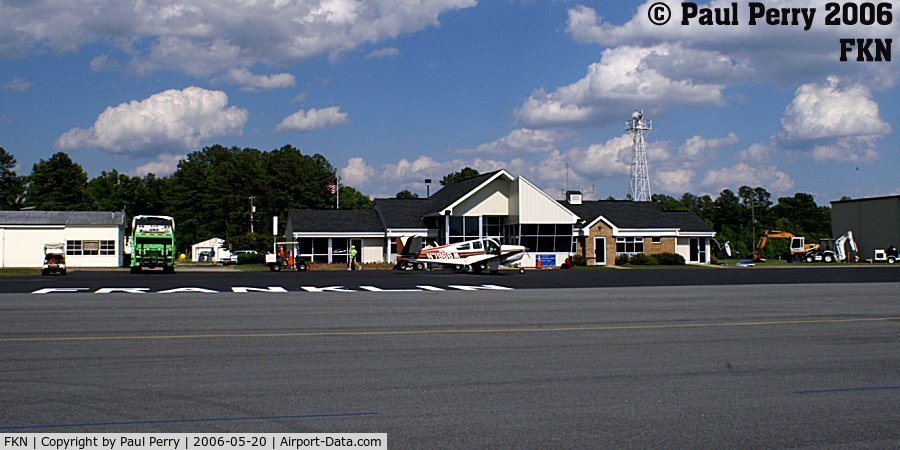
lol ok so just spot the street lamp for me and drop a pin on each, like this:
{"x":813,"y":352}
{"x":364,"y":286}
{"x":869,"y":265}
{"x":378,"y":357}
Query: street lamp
{"x":252,"y":210}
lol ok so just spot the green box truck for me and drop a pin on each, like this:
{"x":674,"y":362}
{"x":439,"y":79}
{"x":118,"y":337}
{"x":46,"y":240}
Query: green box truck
{"x":153,"y":243}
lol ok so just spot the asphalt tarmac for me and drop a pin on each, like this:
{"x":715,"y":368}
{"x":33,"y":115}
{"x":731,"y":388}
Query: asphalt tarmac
{"x":701,"y":365}
{"x":154,"y":281}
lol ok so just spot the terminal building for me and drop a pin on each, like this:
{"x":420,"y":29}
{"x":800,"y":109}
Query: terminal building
{"x":510,"y":209}
{"x":91,"y":238}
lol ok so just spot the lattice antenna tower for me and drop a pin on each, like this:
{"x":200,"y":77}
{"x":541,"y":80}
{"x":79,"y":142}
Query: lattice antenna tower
{"x":639,"y":184}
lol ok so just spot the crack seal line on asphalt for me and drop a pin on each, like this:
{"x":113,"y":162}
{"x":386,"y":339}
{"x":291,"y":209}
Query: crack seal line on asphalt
{"x":454,"y":331}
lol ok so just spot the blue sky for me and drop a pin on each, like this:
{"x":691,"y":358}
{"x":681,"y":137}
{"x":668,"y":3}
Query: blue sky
{"x":393,"y":92}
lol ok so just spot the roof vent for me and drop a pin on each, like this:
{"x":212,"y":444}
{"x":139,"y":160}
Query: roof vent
{"x":573,"y":197}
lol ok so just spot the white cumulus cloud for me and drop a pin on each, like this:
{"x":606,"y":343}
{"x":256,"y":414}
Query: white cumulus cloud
{"x":251,"y":82}
{"x":828,"y":111}
{"x":382,"y":53}
{"x":314,"y":119}
{"x":181,"y":119}
{"x":208,"y":36}
{"x":357,"y":172}
{"x":697,"y":147}
{"x":743,"y":174}
{"x":164,"y":165}
{"x":625,"y":77}
{"x":520,"y":141}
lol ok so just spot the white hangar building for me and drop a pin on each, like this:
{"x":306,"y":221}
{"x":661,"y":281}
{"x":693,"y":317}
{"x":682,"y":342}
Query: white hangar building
{"x":92,"y":238}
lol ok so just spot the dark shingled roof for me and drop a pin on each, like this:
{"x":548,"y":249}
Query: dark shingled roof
{"x":62,"y":218}
{"x":408,"y":213}
{"x":688,"y":221}
{"x":335,"y":221}
{"x":401,"y":212}
{"x":629,"y":214}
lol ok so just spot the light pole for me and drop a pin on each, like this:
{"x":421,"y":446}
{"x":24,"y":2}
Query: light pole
{"x":252,"y":210}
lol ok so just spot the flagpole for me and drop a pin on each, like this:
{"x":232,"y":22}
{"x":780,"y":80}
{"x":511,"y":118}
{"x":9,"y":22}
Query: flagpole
{"x":337,"y":181}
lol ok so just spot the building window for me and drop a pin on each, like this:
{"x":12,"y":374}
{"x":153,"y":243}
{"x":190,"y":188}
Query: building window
{"x":464,"y":228}
{"x":548,"y":238}
{"x":107,"y":247}
{"x":656,"y":240}
{"x":90,"y":248}
{"x":339,"y":250}
{"x":493,"y":227}
{"x":73,"y":247}
{"x":314,"y":249}
{"x":629,"y":245}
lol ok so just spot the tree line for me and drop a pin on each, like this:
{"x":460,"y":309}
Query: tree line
{"x":212,"y":191}
{"x":210,"y":194}
{"x":742,"y":218}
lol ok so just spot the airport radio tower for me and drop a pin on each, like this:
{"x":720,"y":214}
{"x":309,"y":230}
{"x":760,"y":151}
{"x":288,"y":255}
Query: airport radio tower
{"x":639,"y":184}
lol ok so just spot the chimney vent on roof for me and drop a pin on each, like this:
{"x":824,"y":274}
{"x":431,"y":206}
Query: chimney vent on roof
{"x":573,"y":197}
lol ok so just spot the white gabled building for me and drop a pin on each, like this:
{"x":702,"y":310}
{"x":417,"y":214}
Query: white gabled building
{"x":510,"y":209}
{"x":92,"y":238}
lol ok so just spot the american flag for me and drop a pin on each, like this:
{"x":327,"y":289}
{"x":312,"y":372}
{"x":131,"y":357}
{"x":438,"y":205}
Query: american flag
{"x":332,"y":187}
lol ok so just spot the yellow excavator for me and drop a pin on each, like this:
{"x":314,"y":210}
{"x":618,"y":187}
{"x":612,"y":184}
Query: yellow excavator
{"x":798,"y":247}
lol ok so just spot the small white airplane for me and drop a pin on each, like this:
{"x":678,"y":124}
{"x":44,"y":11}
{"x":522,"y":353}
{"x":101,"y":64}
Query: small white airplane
{"x":475,"y":256}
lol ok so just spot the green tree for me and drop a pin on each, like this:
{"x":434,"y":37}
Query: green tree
{"x":353,"y":199}
{"x":155,"y":196}
{"x":667,"y":203}
{"x":114,"y":191}
{"x":211,"y":192}
{"x":462,"y":175}
{"x":727,"y":211}
{"x":812,"y":220}
{"x":12,"y":186}
{"x":407,"y":194}
{"x":58,"y":184}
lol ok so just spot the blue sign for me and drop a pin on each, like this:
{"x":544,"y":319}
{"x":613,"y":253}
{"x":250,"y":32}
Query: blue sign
{"x":547,"y":260}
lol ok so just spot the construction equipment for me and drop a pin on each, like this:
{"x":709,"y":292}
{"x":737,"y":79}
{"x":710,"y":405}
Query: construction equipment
{"x":286,"y":257}
{"x":833,"y":250}
{"x":153,"y":243}
{"x":798,"y":247}
{"x":54,"y":259}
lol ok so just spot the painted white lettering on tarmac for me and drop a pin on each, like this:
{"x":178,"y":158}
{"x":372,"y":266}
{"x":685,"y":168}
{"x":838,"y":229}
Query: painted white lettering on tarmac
{"x":483,"y":287}
{"x":244,"y":290}
{"x":122,"y":290}
{"x":189,"y":289}
{"x":377,"y":289}
{"x":58,"y":290}
{"x":326,"y":289}
{"x":270,"y":289}
{"x":430,"y":288}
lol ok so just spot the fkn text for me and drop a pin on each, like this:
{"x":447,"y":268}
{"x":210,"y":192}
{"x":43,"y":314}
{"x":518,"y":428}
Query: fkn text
{"x":851,"y":14}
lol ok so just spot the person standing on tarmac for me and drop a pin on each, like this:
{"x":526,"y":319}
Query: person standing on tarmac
{"x":352,"y":265}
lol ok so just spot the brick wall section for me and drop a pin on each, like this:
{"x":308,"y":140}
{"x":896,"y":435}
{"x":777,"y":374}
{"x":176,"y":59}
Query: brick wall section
{"x":666,"y":245}
{"x":586,"y":245}
{"x":600,"y":230}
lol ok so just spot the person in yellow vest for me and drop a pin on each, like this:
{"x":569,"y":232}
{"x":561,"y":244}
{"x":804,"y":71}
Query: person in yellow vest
{"x":352,"y":264}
